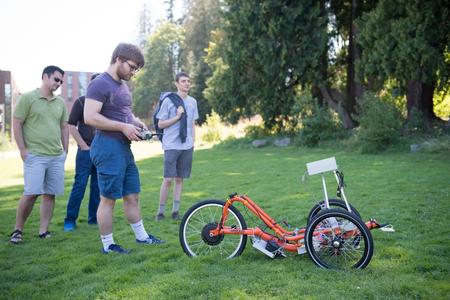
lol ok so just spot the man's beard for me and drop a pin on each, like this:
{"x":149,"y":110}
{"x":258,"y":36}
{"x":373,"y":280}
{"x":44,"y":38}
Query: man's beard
{"x":123,"y":76}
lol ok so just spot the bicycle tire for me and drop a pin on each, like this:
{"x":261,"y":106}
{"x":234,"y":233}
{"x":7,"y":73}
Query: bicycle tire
{"x":350,"y":247}
{"x":334,"y":203}
{"x":204,"y":216}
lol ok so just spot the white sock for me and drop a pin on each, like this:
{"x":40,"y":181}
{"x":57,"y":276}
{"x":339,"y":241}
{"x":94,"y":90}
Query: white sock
{"x":107,"y":240}
{"x":139,"y":230}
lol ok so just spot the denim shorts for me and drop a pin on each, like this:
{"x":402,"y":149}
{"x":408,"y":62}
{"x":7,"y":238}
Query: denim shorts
{"x":44,"y":174}
{"x":117,"y":172}
{"x":178,"y":163}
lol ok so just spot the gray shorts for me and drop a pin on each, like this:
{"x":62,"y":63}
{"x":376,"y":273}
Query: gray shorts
{"x":178,"y":163}
{"x":44,"y":174}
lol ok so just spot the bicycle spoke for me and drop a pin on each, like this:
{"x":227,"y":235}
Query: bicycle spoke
{"x":195,"y":232}
{"x":339,"y":241}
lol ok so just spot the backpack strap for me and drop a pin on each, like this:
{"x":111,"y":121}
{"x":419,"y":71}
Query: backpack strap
{"x":177,"y":101}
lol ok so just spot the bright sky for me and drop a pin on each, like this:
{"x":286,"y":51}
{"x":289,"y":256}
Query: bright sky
{"x":76,"y":35}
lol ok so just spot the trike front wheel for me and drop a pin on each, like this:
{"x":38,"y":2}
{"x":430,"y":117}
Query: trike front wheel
{"x":203,"y":217}
{"x":337,"y":239}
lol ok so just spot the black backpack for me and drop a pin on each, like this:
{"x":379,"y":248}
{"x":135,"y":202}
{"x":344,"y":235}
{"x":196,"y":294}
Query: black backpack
{"x":162,"y":97}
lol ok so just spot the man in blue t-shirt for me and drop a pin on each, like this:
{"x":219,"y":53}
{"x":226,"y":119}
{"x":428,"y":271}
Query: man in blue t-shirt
{"x":108,"y":109}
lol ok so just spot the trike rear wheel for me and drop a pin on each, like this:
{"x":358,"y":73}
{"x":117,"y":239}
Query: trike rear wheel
{"x":203,"y":217}
{"x":337,"y":239}
{"x":334,"y":203}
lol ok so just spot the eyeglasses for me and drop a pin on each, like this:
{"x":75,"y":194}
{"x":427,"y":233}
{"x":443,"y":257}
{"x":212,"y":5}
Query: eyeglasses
{"x":133,"y":68}
{"x":57,"y":80}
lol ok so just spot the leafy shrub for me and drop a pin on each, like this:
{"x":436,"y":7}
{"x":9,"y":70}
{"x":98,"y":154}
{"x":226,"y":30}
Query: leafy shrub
{"x":416,"y":122}
{"x":315,"y":123}
{"x":256,"y":131}
{"x":442,"y":105}
{"x":212,"y":124}
{"x":379,"y":122}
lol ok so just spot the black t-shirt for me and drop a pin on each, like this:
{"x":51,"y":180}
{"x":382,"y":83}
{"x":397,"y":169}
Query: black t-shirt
{"x":76,"y":118}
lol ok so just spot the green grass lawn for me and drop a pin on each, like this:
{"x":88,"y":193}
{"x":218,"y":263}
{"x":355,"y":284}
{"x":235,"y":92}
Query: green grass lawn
{"x":411,"y":191}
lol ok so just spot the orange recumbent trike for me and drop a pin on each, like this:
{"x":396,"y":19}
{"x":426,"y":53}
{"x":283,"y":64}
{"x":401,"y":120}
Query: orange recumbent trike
{"x":335,"y":235}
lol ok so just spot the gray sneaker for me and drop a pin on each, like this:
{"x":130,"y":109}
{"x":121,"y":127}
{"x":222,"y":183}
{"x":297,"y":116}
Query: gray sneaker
{"x":159,"y":217}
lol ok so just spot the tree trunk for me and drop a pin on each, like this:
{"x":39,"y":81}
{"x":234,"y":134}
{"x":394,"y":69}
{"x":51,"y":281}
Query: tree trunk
{"x":350,"y":99}
{"x":315,"y":90}
{"x":354,"y":88}
{"x":335,"y":100}
{"x":322,"y":68}
{"x":419,"y":96}
{"x":427,"y":101}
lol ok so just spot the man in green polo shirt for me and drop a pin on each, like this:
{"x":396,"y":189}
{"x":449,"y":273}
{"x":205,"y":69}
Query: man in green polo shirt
{"x":42,"y":136}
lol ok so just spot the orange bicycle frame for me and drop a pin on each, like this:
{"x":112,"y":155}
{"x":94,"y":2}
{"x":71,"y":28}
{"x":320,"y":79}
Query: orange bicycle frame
{"x":288,"y":240}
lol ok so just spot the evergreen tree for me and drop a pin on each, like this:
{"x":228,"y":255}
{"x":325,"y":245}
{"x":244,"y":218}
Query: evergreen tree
{"x":201,"y":19}
{"x":144,"y":26}
{"x":408,"y":41}
{"x":269,"y":48}
{"x":158,"y":73}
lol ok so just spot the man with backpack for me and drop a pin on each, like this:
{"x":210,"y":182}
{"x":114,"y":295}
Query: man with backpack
{"x":176,"y":115}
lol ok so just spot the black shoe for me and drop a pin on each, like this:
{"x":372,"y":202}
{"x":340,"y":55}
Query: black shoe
{"x":115,"y":248}
{"x":45,"y":235}
{"x":175,"y":216}
{"x":159,"y":217}
{"x":16,"y":237}
{"x":151,"y":240}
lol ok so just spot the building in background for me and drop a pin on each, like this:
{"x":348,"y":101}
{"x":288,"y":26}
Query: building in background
{"x":75,"y":85}
{"x":9,"y":93}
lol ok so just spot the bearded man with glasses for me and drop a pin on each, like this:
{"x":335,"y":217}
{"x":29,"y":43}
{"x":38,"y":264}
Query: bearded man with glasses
{"x":108,"y":108}
{"x":42,"y":136}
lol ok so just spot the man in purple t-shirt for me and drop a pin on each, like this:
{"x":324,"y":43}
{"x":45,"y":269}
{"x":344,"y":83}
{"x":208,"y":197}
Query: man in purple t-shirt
{"x":108,"y":108}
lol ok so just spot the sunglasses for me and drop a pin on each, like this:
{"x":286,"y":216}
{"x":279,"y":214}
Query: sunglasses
{"x":57,"y":80}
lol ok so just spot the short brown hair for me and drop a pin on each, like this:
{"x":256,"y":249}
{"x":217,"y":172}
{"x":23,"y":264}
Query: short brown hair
{"x":128,"y":52}
{"x":181,"y":74}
